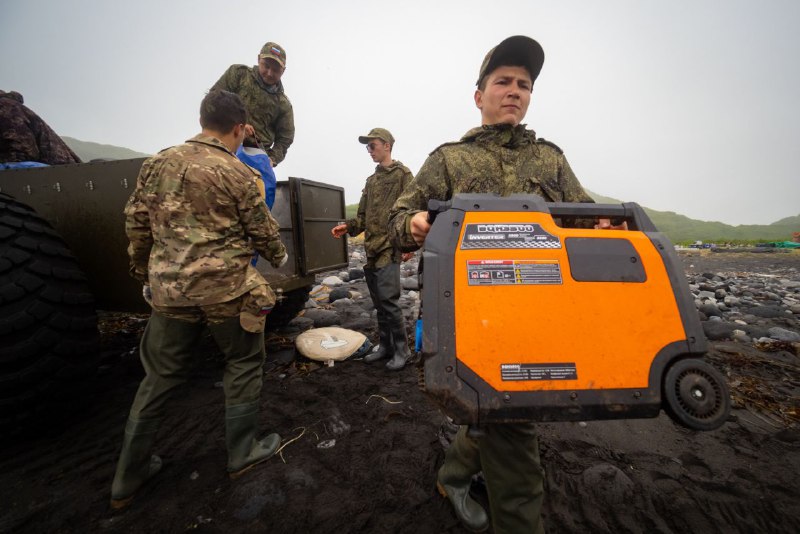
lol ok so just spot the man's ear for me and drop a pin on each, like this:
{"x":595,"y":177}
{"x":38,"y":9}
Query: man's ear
{"x":478,"y":99}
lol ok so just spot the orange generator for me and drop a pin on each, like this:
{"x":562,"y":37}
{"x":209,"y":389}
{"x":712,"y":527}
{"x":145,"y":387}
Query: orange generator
{"x":524,"y":319}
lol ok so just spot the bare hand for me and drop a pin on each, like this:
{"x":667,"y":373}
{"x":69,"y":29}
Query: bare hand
{"x":249,"y":131}
{"x":339,"y":230}
{"x":407,"y":256}
{"x":420,"y":227}
{"x":605,"y":224}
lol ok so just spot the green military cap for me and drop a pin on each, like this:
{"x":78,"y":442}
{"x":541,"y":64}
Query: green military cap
{"x":516,"y":51}
{"x":377,"y":133}
{"x":273,"y":51}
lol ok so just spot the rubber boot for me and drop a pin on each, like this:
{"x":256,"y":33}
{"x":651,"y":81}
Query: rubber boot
{"x":401,"y":352}
{"x":135,"y":465}
{"x":385,"y":349}
{"x":455,"y":477}
{"x":244,"y":451}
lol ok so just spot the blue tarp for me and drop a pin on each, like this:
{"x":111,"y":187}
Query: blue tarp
{"x":259,"y":160}
{"x":22,"y":165}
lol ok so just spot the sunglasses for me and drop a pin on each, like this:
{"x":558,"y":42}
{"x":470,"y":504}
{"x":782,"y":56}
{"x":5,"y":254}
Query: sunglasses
{"x":373,"y":145}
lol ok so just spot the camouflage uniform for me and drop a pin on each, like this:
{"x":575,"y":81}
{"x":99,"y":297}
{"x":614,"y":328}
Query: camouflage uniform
{"x":24,"y":136}
{"x":501,"y":159}
{"x":382,"y":270}
{"x":193,"y":222}
{"x":380,"y":192}
{"x":497,"y":159}
{"x":268,"y":109}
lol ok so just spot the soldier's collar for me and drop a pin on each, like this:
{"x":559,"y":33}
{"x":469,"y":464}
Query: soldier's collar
{"x":210,"y":141}
{"x":504,"y":134}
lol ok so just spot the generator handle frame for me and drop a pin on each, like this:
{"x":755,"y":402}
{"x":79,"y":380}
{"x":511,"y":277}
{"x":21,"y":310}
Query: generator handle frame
{"x":629,"y":212}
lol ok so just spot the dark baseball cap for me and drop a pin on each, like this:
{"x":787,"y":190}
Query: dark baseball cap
{"x":377,"y":133}
{"x":517,"y":51}
{"x":273,"y":51}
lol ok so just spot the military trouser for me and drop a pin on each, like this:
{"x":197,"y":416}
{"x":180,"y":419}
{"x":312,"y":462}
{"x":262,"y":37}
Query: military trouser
{"x":384,"y":289}
{"x":167,"y":357}
{"x":508,"y":455}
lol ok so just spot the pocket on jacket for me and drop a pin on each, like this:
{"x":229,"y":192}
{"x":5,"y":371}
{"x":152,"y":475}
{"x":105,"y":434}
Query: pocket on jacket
{"x":256,"y":306}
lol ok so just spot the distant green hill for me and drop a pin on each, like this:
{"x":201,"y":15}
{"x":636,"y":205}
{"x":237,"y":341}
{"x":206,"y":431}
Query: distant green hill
{"x":87,"y":151}
{"x":682,"y":229}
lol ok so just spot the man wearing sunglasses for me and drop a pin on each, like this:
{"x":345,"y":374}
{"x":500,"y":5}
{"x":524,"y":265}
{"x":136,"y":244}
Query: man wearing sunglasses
{"x":270,"y":118}
{"x":382,"y":270}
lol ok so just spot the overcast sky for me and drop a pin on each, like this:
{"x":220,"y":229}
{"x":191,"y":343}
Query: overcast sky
{"x":686,"y":106}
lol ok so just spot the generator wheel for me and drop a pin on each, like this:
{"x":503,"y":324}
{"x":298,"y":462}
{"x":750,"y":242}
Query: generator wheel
{"x":48,"y":324}
{"x":696,"y":395}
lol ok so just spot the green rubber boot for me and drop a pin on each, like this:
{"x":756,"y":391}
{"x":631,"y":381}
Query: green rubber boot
{"x":454,"y":478}
{"x":401,"y":352}
{"x":384,"y":348}
{"x":244,"y":451}
{"x":135,"y":466}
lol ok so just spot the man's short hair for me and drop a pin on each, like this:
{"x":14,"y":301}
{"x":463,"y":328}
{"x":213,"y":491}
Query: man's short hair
{"x":221,"y":111}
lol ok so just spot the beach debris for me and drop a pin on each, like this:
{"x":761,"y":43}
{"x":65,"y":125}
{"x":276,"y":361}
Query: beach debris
{"x":384,"y":399}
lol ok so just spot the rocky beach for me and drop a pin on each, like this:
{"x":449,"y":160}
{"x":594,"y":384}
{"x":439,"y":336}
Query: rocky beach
{"x":361,"y":445}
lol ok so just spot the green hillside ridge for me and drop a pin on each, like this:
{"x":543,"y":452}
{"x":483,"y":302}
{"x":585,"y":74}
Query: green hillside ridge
{"x":87,"y":150}
{"x":681,"y":229}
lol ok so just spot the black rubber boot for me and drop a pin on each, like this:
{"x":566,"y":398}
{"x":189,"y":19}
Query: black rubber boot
{"x":401,"y":352}
{"x":385,"y":349}
{"x":455,"y":477}
{"x":135,"y":465}
{"x":244,"y":451}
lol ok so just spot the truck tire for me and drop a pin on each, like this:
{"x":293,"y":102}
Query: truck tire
{"x":48,"y":323}
{"x":287,"y":308}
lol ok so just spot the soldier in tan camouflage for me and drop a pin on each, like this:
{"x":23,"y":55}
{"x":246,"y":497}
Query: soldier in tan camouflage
{"x":193,"y":222}
{"x":270,"y":116}
{"x":382,"y":270}
{"x":501,"y":156}
{"x":24,"y":136}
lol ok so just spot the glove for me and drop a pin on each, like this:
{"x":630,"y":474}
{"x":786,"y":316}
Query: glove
{"x":284,"y":260}
{"x":147,"y":293}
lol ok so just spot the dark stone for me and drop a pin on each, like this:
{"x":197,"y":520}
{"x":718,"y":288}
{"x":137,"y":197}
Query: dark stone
{"x":338,"y":293}
{"x":355,"y":274}
{"x":358,"y":323}
{"x":710,"y":309}
{"x":754,"y":330}
{"x":719,"y":330}
{"x":770,"y":312}
{"x":323,"y":317}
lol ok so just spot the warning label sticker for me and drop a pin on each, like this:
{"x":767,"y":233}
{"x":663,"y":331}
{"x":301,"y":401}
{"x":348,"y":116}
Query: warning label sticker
{"x":513,"y":272}
{"x":507,"y":235}
{"x":538,"y":371}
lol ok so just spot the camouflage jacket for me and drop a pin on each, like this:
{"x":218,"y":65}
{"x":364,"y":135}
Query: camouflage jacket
{"x":24,"y":136}
{"x":193,"y":222}
{"x":270,"y":113}
{"x":380,"y":192}
{"x":497,"y":159}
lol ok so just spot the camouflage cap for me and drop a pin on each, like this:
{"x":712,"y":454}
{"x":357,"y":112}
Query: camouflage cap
{"x":518,"y":51}
{"x":273,"y":51}
{"x":377,"y":133}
